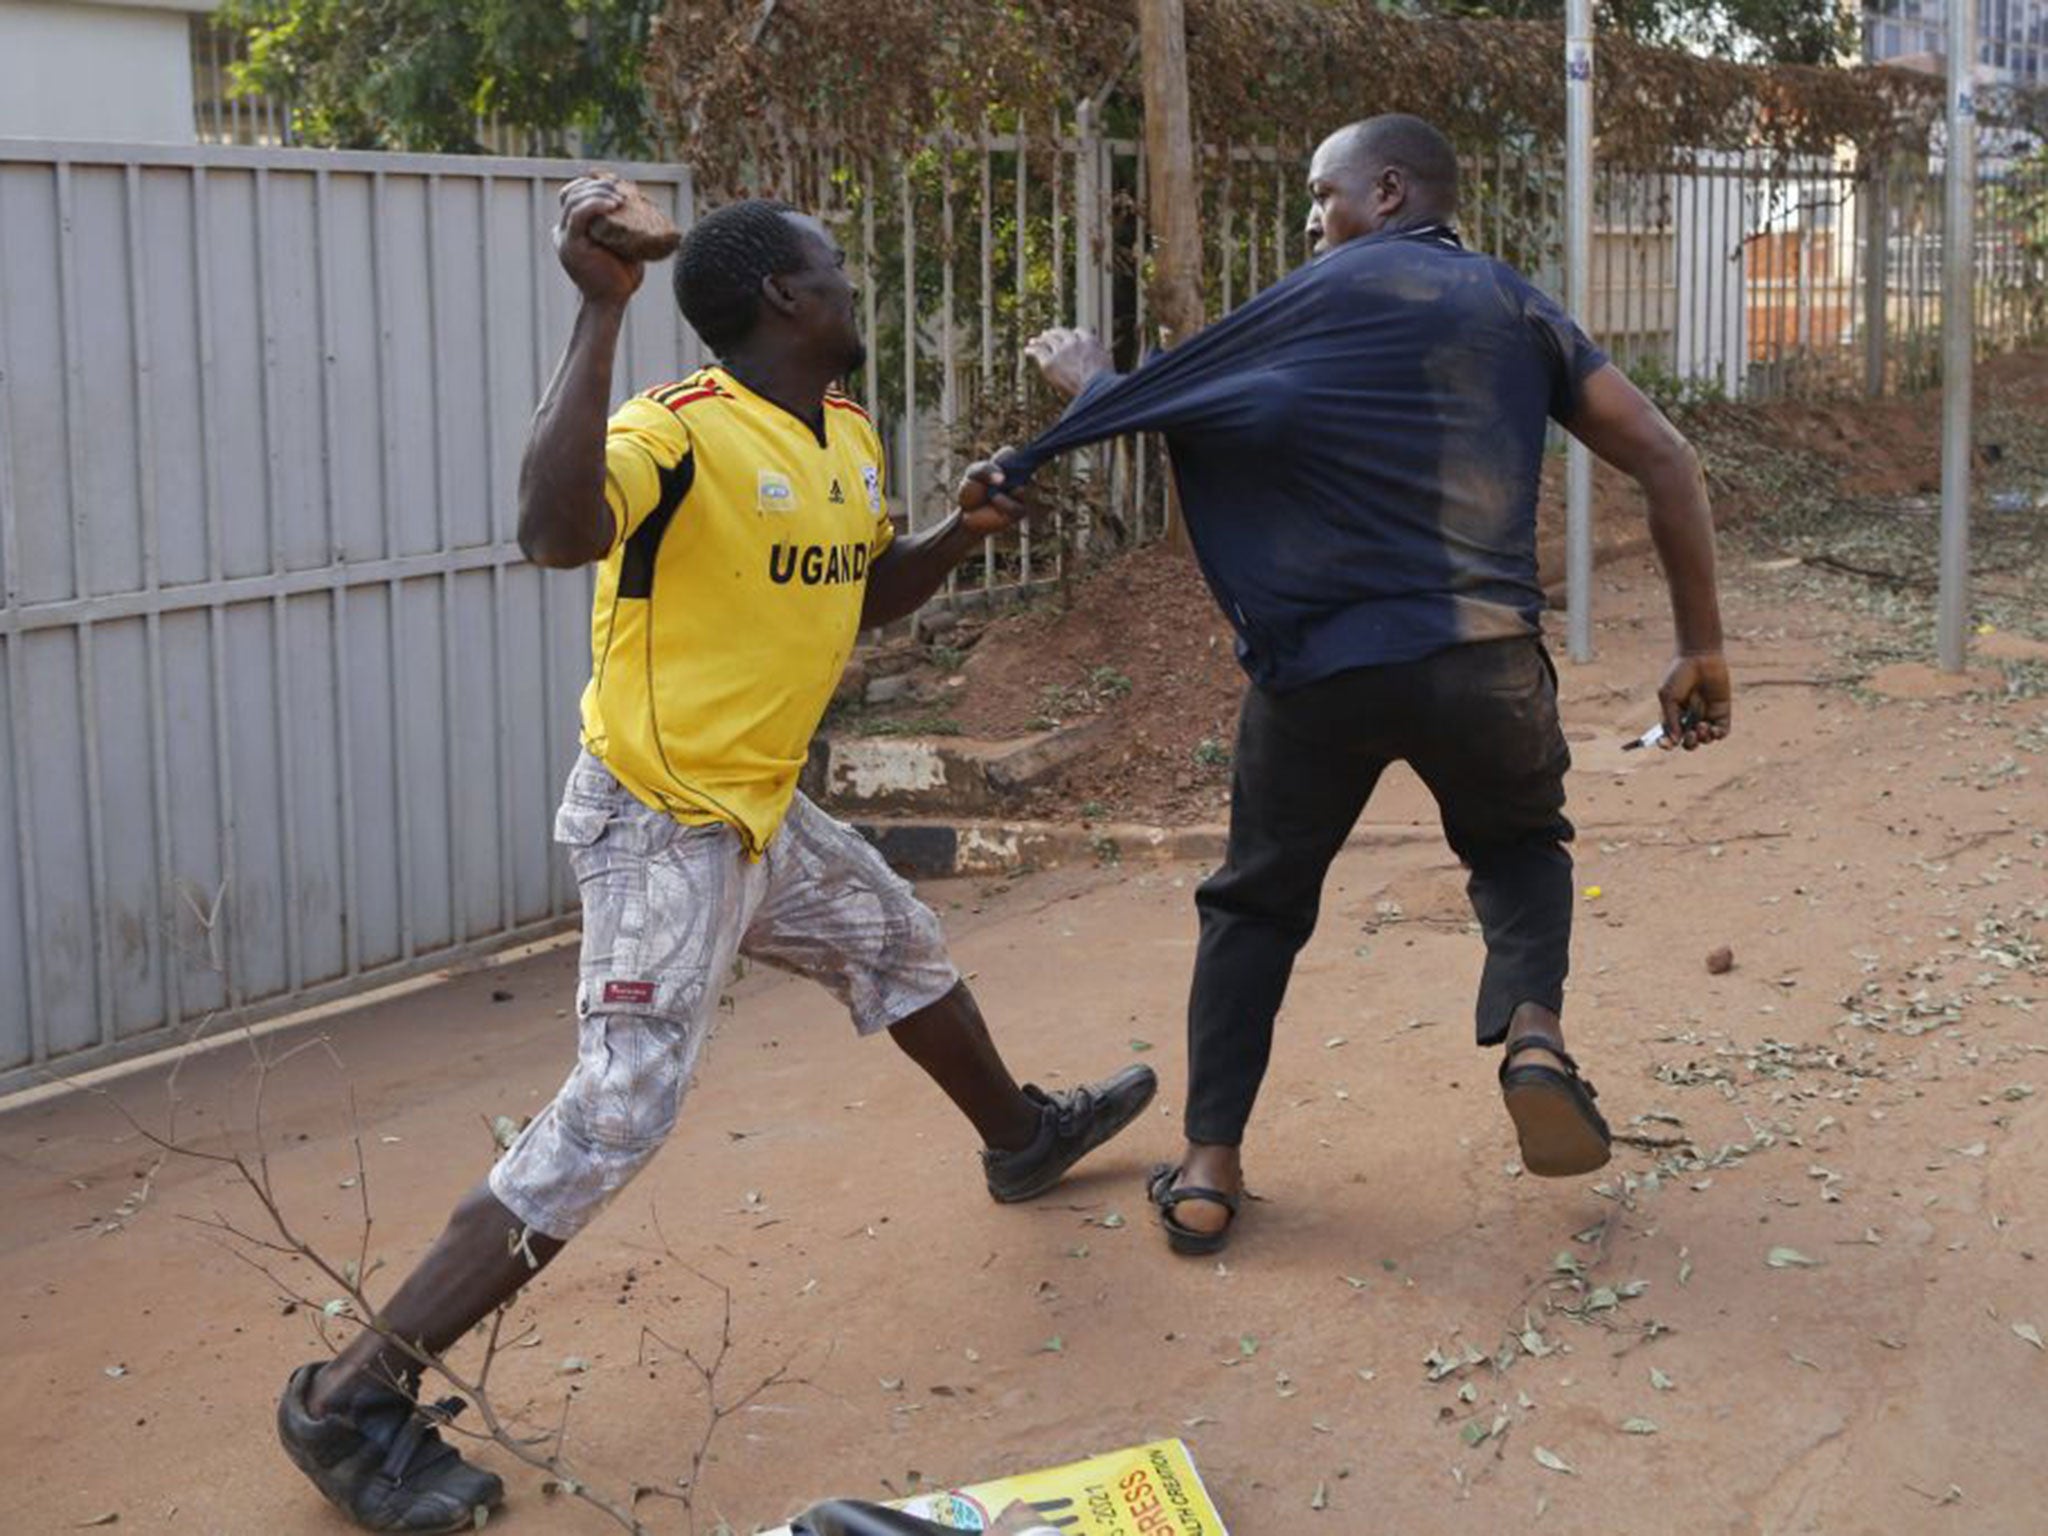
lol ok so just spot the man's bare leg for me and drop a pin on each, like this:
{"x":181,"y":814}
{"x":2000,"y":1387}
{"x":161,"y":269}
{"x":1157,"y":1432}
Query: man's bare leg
{"x":478,"y":1263}
{"x":949,"y":1039}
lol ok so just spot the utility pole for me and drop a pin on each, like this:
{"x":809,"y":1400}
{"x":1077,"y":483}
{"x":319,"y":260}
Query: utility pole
{"x":1958,"y":339}
{"x":1578,"y":288}
{"x":1172,"y":201}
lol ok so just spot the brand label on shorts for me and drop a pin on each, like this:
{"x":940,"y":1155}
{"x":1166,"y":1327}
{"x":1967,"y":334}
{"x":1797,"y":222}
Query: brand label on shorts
{"x":629,"y":991}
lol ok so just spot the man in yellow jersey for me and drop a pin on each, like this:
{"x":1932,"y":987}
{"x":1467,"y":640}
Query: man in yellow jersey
{"x":742,"y":539}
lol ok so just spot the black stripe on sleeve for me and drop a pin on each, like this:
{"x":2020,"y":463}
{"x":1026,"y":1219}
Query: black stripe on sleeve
{"x":636,"y":565}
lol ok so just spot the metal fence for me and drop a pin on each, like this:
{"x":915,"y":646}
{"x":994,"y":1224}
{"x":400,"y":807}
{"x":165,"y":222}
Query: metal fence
{"x":1723,"y":276}
{"x":282,"y":710}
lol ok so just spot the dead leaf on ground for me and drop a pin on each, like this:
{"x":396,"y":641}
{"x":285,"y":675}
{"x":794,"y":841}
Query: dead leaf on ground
{"x":1556,"y":1463}
{"x":1790,"y":1258}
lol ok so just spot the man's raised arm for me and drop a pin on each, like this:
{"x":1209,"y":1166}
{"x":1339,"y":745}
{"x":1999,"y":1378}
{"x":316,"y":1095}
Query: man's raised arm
{"x":564,"y":520}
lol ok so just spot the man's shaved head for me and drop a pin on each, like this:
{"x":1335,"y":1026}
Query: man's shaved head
{"x":1392,"y":171}
{"x":1408,"y":144}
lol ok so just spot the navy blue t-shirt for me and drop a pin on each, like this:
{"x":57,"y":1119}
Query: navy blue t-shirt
{"x":1358,"y":451}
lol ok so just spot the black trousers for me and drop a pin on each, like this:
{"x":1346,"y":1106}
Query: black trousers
{"x":1478,"y":724}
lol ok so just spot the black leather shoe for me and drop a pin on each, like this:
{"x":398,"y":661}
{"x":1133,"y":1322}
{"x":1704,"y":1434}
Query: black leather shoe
{"x":382,"y":1461}
{"x":1072,"y":1123}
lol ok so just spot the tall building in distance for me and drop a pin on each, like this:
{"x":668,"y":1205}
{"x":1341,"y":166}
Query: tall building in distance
{"x":2012,"y":37}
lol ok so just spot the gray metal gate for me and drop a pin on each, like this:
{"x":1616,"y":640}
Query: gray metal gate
{"x":284,"y":709}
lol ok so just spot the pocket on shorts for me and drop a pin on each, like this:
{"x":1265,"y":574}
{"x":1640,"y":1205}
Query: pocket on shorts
{"x":580,"y":826}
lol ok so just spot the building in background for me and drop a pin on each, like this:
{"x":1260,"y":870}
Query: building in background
{"x":2012,"y":37}
{"x":90,"y":69}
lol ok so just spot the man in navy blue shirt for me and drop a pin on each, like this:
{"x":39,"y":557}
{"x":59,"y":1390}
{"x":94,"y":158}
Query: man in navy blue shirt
{"x":1358,"y":452}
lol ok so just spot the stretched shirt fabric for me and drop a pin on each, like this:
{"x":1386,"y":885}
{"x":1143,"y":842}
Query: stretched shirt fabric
{"x":731,"y":597}
{"x":1358,"y":451}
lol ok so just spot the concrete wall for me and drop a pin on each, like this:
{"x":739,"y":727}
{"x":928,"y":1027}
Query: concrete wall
{"x":91,"y":71}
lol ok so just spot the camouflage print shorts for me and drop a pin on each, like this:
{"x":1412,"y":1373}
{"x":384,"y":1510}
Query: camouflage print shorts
{"x":666,"y":908}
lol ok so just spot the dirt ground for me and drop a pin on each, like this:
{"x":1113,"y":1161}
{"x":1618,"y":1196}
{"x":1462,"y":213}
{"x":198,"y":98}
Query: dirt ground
{"x":1809,"y":1296}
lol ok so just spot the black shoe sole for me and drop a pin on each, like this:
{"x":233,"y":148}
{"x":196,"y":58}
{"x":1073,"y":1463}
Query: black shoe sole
{"x":1560,"y":1138}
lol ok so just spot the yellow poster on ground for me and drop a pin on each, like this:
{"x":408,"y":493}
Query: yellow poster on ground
{"x":1148,"y":1490}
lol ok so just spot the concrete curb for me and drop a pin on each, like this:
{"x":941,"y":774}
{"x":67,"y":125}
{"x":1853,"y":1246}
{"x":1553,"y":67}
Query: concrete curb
{"x":939,"y":850}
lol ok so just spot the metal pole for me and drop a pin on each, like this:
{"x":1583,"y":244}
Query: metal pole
{"x":1958,"y":246}
{"x":1578,"y":203}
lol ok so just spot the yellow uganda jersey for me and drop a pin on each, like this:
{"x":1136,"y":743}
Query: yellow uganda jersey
{"x":731,"y":597}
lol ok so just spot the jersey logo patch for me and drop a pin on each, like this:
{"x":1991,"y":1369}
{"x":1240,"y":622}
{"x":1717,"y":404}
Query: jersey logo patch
{"x":774,"y":492}
{"x":838,"y":497}
{"x":873,"y":477}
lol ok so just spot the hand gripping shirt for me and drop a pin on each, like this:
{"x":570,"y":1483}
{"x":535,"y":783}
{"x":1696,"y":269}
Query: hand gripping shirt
{"x":1358,"y":451}
{"x":729,"y":602}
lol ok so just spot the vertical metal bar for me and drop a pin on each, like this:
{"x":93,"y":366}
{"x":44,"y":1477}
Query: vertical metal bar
{"x":234,"y":118}
{"x":1251,"y":227}
{"x":1020,"y":275}
{"x":1085,"y":194}
{"x":501,"y":627}
{"x":1733,"y":327}
{"x":161,"y":952}
{"x":988,"y":324}
{"x":451,"y":693}
{"x":1957,"y":343}
{"x":223,"y":945}
{"x":1803,"y":233}
{"x":870,"y":284}
{"x":1022,"y":280}
{"x":949,"y":348}
{"x":1226,"y":219}
{"x":27,"y":888}
{"x":1578,"y":73}
{"x":337,"y":596}
{"x":1698,"y":247}
{"x":81,"y":586}
{"x":1059,"y":224}
{"x":282,"y":693}
{"x":907,"y":457}
{"x":1140,"y":246}
{"x":390,"y":478}
{"x":537,"y":323}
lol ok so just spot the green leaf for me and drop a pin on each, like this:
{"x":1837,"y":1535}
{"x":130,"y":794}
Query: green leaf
{"x":1247,"y":1346}
{"x":1790,"y":1258}
{"x":1474,"y":1432}
{"x":1555,"y":1462}
{"x":1638,"y":1427}
{"x":1141,"y":1046}
{"x":1053,"y":1345}
{"x":1112,"y":1221}
{"x":1659,"y":1380}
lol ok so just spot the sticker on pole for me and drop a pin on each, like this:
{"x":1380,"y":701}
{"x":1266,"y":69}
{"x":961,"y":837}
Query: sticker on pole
{"x":1148,"y":1488}
{"x":1578,"y":62}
